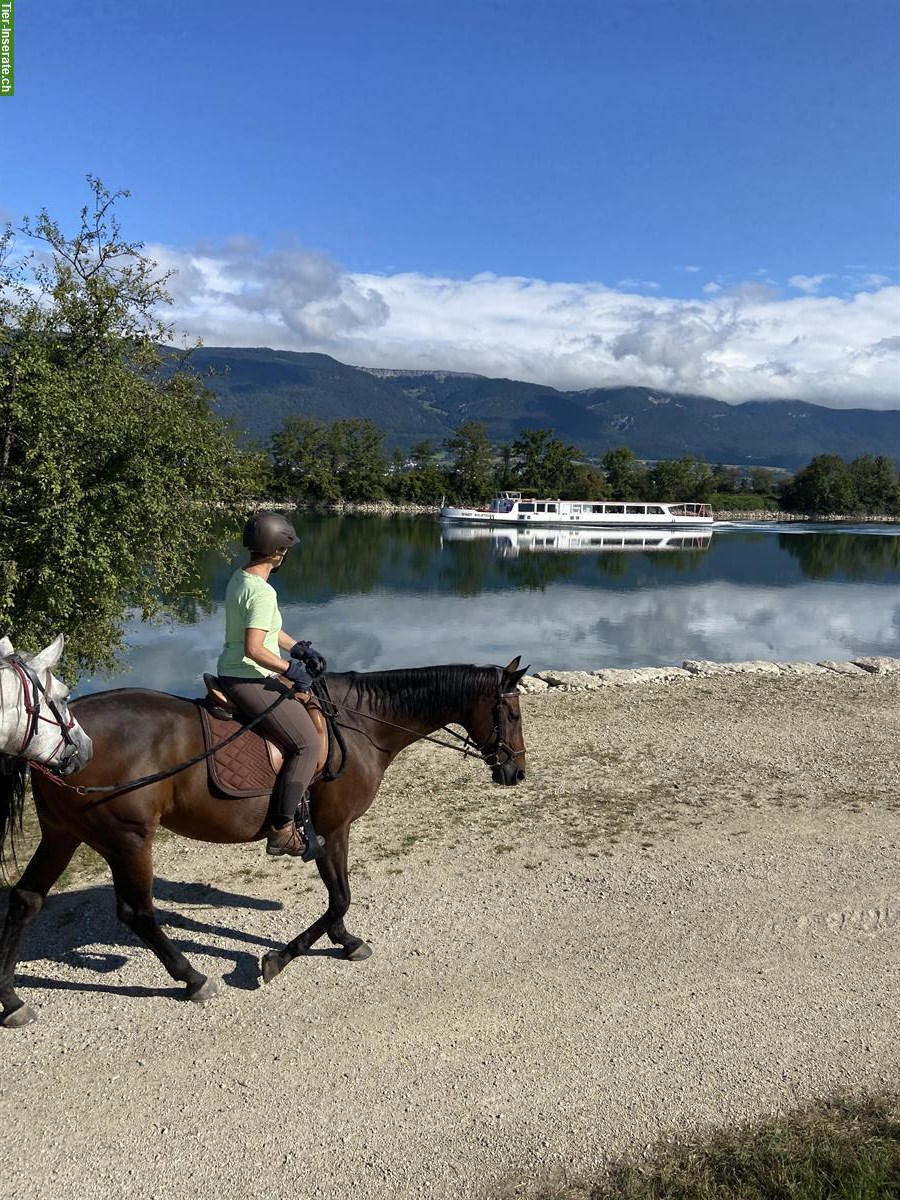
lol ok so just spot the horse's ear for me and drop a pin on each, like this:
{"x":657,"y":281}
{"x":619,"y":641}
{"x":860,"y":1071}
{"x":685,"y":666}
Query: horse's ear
{"x":6,"y":647}
{"x":49,"y":656}
{"x":513,"y":673}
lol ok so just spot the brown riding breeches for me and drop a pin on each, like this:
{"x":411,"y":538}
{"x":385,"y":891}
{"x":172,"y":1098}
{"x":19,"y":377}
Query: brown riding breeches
{"x":289,"y":727}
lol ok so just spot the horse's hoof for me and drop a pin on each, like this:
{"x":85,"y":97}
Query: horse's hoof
{"x":358,"y":953}
{"x":270,"y":965}
{"x":23,"y":1015}
{"x":203,"y":993}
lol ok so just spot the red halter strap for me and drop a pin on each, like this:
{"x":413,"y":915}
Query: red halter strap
{"x":31,"y":696}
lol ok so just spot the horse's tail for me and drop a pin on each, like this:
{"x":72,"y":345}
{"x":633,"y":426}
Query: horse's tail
{"x":13,"y":773}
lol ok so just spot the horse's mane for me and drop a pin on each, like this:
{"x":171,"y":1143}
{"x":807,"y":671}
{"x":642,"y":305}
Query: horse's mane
{"x":421,"y":691}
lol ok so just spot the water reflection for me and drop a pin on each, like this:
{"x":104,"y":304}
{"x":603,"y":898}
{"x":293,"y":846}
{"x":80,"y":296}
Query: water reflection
{"x":375,"y":592}
{"x":512,"y":542}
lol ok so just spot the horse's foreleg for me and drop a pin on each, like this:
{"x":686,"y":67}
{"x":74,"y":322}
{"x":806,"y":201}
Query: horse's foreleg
{"x":336,"y":877}
{"x":132,"y":872}
{"x":333,"y":870}
{"x":26,"y":900}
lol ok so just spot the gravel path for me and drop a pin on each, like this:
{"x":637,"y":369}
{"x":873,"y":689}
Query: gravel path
{"x":689,"y":913}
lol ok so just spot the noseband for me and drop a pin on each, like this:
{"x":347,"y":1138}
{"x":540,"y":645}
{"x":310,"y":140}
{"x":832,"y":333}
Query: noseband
{"x":493,"y":744}
{"x":492,"y":757}
{"x":32,"y":691}
{"x":490,"y":754}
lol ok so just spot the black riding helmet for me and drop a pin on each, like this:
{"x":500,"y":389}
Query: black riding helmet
{"x":268,"y":532}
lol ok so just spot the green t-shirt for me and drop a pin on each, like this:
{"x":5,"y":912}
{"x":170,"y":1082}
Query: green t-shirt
{"x":250,"y":603}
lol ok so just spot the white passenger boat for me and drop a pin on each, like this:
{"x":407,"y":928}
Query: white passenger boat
{"x":509,"y":508}
{"x":510,"y":542}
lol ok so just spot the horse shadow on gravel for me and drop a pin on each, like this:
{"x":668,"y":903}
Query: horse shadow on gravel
{"x":72,"y":925}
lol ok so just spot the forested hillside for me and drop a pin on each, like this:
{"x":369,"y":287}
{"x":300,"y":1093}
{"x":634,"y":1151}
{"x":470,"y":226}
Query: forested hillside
{"x":260,"y":388}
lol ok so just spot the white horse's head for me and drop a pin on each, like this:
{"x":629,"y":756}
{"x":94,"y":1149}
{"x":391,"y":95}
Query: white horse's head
{"x":35,"y":723}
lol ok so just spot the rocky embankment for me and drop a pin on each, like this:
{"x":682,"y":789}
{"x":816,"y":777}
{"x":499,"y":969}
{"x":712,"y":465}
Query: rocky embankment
{"x":588,"y":681}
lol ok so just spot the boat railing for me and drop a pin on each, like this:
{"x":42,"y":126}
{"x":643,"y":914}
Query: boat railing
{"x":688,"y":509}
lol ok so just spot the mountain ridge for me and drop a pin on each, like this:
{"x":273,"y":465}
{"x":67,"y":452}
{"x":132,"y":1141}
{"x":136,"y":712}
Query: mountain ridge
{"x":259,"y":388}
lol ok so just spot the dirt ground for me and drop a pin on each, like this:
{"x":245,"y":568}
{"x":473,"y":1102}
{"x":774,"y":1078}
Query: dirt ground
{"x":688,"y":914}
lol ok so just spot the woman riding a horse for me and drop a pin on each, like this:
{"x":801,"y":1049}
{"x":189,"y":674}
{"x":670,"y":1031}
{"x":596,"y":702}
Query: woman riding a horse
{"x":257,"y":651}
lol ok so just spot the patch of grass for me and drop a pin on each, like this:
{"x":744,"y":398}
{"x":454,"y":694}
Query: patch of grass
{"x":840,"y":1149}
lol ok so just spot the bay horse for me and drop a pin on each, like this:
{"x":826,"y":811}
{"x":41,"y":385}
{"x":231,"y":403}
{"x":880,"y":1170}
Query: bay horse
{"x":136,"y":732}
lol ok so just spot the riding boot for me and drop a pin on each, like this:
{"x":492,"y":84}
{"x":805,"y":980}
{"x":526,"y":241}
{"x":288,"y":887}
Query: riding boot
{"x":287,"y":840}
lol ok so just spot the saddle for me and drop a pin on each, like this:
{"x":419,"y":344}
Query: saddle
{"x":249,"y":765}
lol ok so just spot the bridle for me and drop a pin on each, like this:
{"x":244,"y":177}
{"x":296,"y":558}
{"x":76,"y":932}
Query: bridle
{"x":490,"y":754}
{"x":33,"y":691}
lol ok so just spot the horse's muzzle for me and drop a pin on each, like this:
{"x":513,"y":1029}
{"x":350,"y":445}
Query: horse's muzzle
{"x":84,"y":751}
{"x":508,"y":773}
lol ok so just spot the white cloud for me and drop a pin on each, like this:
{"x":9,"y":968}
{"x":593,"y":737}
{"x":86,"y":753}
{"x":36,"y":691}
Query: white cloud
{"x":638,"y":283}
{"x":875,"y":281}
{"x":807,"y":283}
{"x":692,"y":269}
{"x":736,"y":344}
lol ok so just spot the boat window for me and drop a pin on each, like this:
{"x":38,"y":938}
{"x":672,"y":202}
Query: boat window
{"x":540,"y":508}
{"x":576,"y":508}
{"x":610,"y":508}
{"x":524,"y":507}
{"x":636,"y":508}
{"x":656,"y":509}
{"x":551,"y":508}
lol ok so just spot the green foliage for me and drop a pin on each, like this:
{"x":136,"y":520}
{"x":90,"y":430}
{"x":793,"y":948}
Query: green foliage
{"x":107,"y":461}
{"x":687,"y":478}
{"x":471,"y":476}
{"x":418,"y":480}
{"x":316,"y":462}
{"x":868,"y":485}
{"x":742,"y":502}
{"x":546,"y":464}
{"x":623,"y":474}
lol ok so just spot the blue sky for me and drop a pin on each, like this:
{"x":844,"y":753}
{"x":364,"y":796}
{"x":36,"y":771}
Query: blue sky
{"x":697,"y":187}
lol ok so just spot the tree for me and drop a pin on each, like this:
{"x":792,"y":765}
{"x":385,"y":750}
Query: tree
{"x":546,"y":464}
{"x":876,"y":483}
{"x":471,"y":475}
{"x":762,"y":481}
{"x":622,"y":471}
{"x":430,"y":482}
{"x":824,"y":486}
{"x":726,"y":480}
{"x":302,"y":465}
{"x":110,"y":456}
{"x":687,"y":478}
{"x":357,"y":459}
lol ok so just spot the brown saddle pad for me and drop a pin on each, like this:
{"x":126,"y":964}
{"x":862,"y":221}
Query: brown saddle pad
{"x":245,"y":767}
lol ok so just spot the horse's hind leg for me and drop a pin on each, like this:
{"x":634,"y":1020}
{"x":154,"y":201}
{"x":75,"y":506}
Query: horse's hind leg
{"x":26,"y":900}
{"x":132,"y":872}
{"x":333,"y":869}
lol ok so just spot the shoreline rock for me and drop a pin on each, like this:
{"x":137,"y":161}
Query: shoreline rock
{"x":606,"y":677}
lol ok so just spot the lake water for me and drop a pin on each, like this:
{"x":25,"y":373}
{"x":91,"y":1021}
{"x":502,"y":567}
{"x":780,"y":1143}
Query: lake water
{"x":375,"y":592}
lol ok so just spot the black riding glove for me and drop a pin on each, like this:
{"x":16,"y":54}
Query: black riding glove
{"x":307,"y":654}
{"x":299,"y":676}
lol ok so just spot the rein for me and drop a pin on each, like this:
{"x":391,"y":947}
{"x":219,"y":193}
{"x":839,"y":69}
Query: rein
{"x":469,"y":747}
{"x":145,"y":780}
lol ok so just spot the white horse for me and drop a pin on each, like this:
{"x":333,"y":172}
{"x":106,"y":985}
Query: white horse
{"x":35,"y":723}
